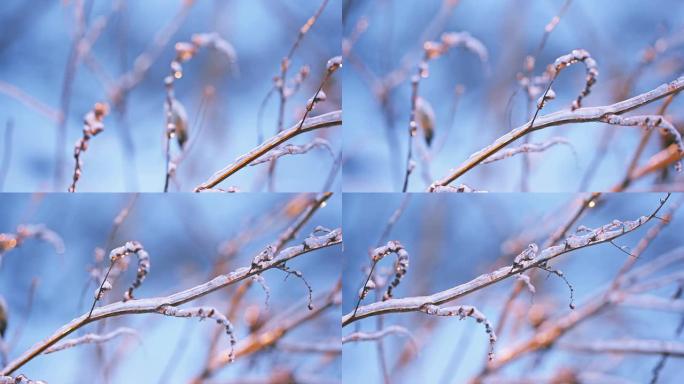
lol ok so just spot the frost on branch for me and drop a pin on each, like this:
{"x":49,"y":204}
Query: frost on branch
{"x":91,"y":338}
{"x":463,"y":311}
{"x":21,"y":379}
{"x":92,"y":125}
{"x":204,"y":313}
{"x":400,"y":266}
{"x":372,"y":336}
{"x":292,"y":149}
{"x":649,"y":122}
{"x":133,"y":247}
{"x":528,"y":148}
{"x":262,"y":282}
{"x":576,"y":56}
{"x":461,"y":188}
{"x":263,"y":257}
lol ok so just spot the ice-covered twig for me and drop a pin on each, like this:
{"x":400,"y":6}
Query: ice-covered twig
{"x":325,"y":120}
{"x":204,"y":313}
{"x":581,"y":115}
{"x":419,"y":111}
{"x":372,"y":336}
{"x":280,"y":325}
{"x":176,"y":116}
{"x":596,"y":236}
{"x":293,"y":149}
{"x":461,"y":188}
{"x":92,"y":125}
{"x":528,"y":148}
{"x":152,"y":305}
{"x":400,"y":266}
{"x":91,"y":338}
{"x":132,"y":247}
{"x":649,"y":122}
{"x":21,"y":379}
{"x":463,"y":311}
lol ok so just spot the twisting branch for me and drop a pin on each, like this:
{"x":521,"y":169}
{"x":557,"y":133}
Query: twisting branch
{"x":204,"y":313}
{"x":276,"y":328}
{"x":153,"y":305}
{"x":592,"y":237}
{"x":92,"y":125}
{"x":581,"y":115}
{"x":400,"y":268}
{"x":463,"y":311}
{"x":325,"y":120}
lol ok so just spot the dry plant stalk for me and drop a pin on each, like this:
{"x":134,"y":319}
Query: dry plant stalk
{"x":92,"y":125}
{"x":420,"y":109}
{"x":176,"y":116}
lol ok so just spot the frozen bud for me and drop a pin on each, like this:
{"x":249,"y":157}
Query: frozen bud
{"x":334,"y":64}
{"x":179,"y":120}
{"x":185,"y":51}
{"x":550,"y":95}
{"x":176,"y":69}
{"x":425,"y":116}
{"x":320,"y":96}
{"x":99,"y":292}
{"x":432,"y":49}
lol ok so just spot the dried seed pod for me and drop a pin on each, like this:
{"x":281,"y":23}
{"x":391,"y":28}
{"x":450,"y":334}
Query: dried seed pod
{"x":3,"y":317}
{"x":425,"y":116}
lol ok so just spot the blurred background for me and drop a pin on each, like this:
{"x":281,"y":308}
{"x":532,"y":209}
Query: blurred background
{"x":222,"y":103}
{"x":453,"y":239}
{"x":637,"y":44}
{"x":188,"y":238}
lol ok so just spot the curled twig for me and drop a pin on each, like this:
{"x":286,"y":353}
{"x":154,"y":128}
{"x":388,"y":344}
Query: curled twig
{"x":204,"y":313}
{"x":463,"y":311}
